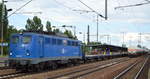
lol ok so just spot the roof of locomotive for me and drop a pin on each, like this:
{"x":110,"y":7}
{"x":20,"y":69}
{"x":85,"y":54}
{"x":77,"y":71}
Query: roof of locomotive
{"x":46,"y":35}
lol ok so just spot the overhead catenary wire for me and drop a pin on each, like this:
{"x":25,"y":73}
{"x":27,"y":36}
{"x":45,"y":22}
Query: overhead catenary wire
{"x":20,"y":8}
{"x":139,"y":4}
{"x":91,"y":9}
{"x":63,"y":5}
{"x":67,"y":6}
{"x":98,"y":14}
{"x":72,"y":9}
{"x":147,"y":0}
{"x":28,"y":13}
{"x":15,"y":0}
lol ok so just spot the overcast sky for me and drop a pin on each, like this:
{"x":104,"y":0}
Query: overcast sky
{"x":131,"y":20}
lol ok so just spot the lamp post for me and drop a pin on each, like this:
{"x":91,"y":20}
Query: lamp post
{"x":2,"y":24}
{"x":2,"y":27}
{"x":140,"y":39}
{"x":123,"y":38}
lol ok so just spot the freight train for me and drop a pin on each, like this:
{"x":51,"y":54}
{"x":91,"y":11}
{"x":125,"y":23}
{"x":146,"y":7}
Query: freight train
{"x":38,"y":51}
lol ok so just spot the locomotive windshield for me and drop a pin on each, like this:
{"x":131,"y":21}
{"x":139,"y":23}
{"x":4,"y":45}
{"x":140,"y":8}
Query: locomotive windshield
{"x":15,"y":39}
{"x":26,"y":39}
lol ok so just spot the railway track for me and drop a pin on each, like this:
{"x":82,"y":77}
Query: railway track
{"x":72,"y":72}
{"x":12,"y":75}
{"x":133,"y":71}
{"x":2,"y":68}
{"x":75,"y":69}
{"x":142,"y":69}
{"x":7,"y":71}
{"x":82,"y":72}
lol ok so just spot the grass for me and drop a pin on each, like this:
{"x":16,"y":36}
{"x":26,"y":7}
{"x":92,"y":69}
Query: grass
{"x":3,"y":56}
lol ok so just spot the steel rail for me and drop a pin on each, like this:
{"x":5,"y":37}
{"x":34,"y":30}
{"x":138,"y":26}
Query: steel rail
{"x":2,"y":68}
{"x":77,"y":71}
{"x":13,"y":75}
{"x":20,"y":74}
{"x":126,"y":70}
{"x":138,"y":74}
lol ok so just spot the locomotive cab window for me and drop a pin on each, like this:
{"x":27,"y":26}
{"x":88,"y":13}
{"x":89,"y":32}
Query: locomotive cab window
{"x":54,"y":41}
{"x":47,"y":40}
{"x":69,"y":43}
{"x":77,"y":44}
{"x":26,"y":39}
{"x":73,"y":43}
{"x":15,"y":39}
{"x":59,"y":42}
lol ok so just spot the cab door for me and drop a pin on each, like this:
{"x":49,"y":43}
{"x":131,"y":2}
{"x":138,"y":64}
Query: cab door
{"x":41,"y":46}
{"x":14,"y":46}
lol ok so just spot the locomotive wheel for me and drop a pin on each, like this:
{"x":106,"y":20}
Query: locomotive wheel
{"x":70,"y":64}
{"x":54,"y":66}
{"x":39,"y":67}
{"x":47,"y":65}
{"x":12,"y":65}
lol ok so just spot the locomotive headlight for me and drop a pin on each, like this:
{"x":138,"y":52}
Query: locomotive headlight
{"x":28,"y":54}
{"x":10,"y":53}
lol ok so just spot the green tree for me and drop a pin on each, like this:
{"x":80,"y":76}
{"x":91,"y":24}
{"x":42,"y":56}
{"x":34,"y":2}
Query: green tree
{"x":29,"y":26}
{"x":48,"y":26}
{"x":68,"y":33}
{"x":56,"y":31}
{"x":34,"y":24}
{"x":11,"y":30}
{"x":4,"y":21}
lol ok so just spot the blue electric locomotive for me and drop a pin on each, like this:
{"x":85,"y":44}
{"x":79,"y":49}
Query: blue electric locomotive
{"x":40,"y":50}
